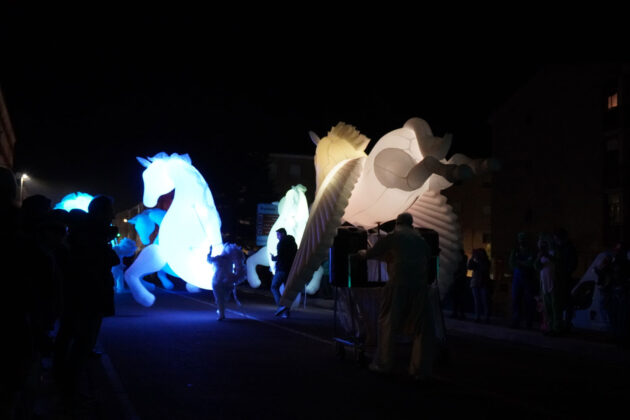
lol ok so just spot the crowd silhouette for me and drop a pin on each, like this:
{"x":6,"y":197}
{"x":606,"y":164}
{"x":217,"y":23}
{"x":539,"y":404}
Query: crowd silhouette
{"x":545,"y":291}
{"x":59,"y":287}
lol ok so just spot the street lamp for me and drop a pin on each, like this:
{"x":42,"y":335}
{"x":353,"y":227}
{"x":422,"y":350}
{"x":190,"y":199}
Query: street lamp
{"x":22,"y":178}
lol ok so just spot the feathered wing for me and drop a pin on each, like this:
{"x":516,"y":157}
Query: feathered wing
{"x":431,"y":211}
{"x":325,"y":217}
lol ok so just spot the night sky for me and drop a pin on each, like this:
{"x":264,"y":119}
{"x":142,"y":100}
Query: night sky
{"x":86,"y":98}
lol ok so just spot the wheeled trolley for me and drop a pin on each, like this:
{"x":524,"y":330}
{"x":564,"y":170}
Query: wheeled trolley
{"x":356,"y":301}
{"x":358,"y":295}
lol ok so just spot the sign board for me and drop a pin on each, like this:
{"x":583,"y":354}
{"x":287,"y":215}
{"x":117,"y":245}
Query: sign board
{"x":266,"y":215}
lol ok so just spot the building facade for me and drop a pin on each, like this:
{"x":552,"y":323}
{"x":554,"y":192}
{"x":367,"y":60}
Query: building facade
{"x":7,"y":137}
{"x":563,"y":141}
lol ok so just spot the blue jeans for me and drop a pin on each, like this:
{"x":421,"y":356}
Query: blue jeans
{"x":278,"y":278}
{"x":480,"y":296}
{"x":523,"y":303}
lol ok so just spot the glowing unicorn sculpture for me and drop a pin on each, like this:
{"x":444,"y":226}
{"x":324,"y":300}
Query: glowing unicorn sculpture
{"x":189,"y":228}
{"x":405,"y":171}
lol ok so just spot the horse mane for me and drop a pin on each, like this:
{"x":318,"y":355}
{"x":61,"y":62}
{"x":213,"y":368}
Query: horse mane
{"x":347,"y":133}
{"x":165,"y":156}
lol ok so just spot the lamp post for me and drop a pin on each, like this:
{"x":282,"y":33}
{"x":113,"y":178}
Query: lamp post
{"x":22,"y":178}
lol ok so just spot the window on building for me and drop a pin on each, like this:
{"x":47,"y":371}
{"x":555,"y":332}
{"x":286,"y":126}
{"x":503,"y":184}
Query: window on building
{"x":613,"y":100}
{"x":615,"y":209}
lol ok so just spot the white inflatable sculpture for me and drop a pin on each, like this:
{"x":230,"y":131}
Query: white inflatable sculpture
{"x":405,"y":171}
{"x":190,"y":226}
{"x":75,"y":200}
{"x":292,"y":215}
{"x":125,"y":248}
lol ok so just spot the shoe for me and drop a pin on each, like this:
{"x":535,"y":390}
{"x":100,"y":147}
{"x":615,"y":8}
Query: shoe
{"x":285,"y":314}
{"x":220,"y":317}
{"x":281,"y":310}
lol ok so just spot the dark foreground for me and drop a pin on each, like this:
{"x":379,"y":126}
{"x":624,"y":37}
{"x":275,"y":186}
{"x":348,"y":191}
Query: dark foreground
{"x":175,"y":361}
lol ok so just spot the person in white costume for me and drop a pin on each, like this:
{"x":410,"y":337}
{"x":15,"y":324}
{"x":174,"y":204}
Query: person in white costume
{"x":405,"y":307}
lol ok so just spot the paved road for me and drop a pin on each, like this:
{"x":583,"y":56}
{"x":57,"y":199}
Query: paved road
{"x":175,"y":361}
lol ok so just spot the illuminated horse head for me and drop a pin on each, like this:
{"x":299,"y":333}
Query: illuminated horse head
{"x":146,"y":222}
{"x":342,"y":142}
{"x":189,"y":228}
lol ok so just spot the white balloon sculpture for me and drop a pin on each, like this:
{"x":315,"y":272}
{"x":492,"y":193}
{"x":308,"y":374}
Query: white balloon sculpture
{"x":292,"y":215}
{"x":190,"y":226}
{"x":405,"y":171}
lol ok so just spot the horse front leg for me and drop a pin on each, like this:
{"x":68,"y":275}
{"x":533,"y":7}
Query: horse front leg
{"x":452,"y":172}
{"x":260,"y":257}
{"x":478,"y":166}
{"x":150,"y":260}
{"x":394,"y":168}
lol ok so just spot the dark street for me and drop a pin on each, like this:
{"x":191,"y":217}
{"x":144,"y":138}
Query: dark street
{"x":175,"y":361}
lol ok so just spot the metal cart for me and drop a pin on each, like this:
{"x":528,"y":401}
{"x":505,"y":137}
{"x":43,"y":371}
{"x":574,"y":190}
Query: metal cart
{"x":356,"y":301}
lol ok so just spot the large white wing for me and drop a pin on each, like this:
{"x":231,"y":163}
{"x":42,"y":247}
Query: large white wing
{"x":325,"y":217}
{"x":431,"y":211}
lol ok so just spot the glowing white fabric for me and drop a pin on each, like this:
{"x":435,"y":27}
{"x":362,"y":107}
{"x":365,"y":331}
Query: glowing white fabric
{"x":75,"y":200}
{"x":293,"y":214}
{"x":405,"y":171}
{"x":190,"y":226}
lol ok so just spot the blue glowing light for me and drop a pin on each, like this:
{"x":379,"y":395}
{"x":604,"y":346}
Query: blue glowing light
{"x":76,"y":200}
{"x":190,"y":228}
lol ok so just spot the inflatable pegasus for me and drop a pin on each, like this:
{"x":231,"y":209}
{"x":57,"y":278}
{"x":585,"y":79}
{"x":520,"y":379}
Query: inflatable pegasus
{"x":405,"y":171}
{"x":189,"y":228}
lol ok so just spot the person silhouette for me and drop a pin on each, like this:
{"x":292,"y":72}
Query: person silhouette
{"x":286,"y":250}
{"x":17,"y":353}
{"x":405,"y":307}
{"x":479,"y":263}
{"x":524,"y":282}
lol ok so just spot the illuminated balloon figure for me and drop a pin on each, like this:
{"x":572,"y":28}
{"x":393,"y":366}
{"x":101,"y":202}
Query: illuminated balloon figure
{"x":190,"y":226}
{"x":405,"y":171}
{"x":125,"y":248}
{"x":145,"y":223}
{"x":293,"y":214}
{"x":75,"y":200}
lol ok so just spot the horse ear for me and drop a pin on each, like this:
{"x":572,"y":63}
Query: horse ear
{"x":143,"y":162}
{"x":314,"y":137}
{"x":161,"y":155}
{"x":186,"y":158}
